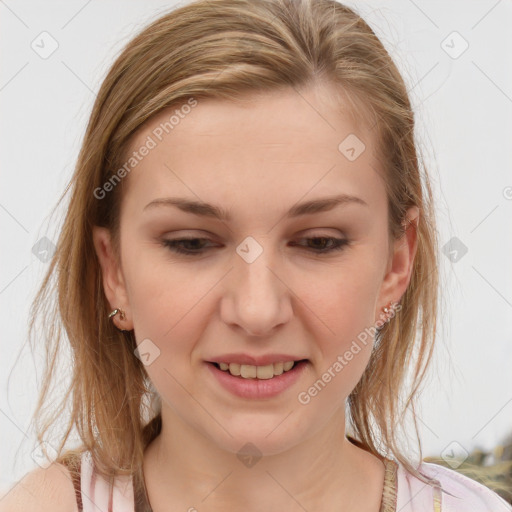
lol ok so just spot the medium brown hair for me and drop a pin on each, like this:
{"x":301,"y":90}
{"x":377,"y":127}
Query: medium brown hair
{"x":226,"y":49}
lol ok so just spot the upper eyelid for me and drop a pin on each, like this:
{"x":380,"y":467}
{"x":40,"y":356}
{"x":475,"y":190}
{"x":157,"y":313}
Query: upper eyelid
{"x":302,"y":233}
{"x":212,"y":239}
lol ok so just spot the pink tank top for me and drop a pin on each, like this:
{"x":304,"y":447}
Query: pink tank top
{"x":403,"y":492}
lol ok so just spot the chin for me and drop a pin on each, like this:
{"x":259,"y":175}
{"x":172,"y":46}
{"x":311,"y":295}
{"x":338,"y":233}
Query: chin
{"x":247,"y":446}
{"x":260,"y":438}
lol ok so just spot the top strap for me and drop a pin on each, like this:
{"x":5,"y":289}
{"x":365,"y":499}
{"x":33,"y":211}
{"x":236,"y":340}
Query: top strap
{"x":73,"y":464}
{"x":389,"y":492}
{"x":101,"y":495}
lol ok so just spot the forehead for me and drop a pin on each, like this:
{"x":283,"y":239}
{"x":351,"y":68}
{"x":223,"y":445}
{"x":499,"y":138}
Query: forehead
{"x":260,"y":150}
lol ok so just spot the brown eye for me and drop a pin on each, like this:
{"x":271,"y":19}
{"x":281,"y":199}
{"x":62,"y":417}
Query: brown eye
{"x":196,"y":246}
{"x":325,"y":244}
{"x":187,"y":246}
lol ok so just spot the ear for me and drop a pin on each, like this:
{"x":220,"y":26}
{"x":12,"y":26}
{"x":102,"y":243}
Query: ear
{"x":400,"y":263}
{"x":112,"y":276}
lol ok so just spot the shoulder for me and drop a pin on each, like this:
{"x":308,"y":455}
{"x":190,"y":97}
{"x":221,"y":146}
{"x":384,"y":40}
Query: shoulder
{"x":44,"y":489}
{"x":458,"y":492}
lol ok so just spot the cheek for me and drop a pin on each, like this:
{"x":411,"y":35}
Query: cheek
{"x":166,"y":305}
{"x":161,"y":292}
{"x":344,"y":337}
{"x":344,"y":300}
{"x":163,"y":303}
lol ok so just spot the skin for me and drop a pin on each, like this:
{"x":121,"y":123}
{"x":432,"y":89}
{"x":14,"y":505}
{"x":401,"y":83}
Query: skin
{"x":256,"y":159}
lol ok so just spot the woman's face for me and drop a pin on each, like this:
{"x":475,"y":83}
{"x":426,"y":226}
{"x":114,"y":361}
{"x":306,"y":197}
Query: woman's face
{"x":260,"y":285}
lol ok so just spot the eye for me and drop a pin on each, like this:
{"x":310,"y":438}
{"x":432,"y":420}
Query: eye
{"x":191,"y":247}
{"x":336,"y":244}
{"x":177,"y":245}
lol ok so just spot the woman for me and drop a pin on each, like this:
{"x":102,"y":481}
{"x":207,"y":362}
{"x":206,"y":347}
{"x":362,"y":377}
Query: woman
{"x":248,"y":254}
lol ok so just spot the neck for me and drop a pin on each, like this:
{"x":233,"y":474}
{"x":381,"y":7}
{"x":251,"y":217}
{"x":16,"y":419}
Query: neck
{"x":186,"y":469}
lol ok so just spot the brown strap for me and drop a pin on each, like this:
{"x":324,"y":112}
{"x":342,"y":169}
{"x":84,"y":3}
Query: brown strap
{"x":111,"y":495}
{"x":74,"y":468}
{"x":438,"y":500}
{"x":140,"y":493}
{"x":77,"y":482}
{"x":389,"y":492}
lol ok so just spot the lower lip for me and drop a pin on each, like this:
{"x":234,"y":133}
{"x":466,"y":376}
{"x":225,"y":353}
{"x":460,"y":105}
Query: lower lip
{"x":258,"y":388}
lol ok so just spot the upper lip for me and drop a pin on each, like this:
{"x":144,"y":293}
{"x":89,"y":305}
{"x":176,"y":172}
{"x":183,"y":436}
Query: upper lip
{"x":255,"y":360}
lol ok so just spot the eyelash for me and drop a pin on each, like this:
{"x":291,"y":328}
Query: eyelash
{"x":338,"y":244}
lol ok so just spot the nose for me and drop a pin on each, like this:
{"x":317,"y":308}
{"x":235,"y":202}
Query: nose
{"x":256,"y":297}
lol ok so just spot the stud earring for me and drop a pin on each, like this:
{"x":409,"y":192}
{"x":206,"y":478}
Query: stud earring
{"x":389,"y":313}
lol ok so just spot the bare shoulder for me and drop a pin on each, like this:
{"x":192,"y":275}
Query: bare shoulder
{"x":43,"y":489}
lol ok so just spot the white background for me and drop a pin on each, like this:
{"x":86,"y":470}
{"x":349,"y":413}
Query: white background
{"x":464,"y":114}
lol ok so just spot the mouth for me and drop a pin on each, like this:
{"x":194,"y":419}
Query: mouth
{"x":249,"y":371}
{"x":261,"y":382}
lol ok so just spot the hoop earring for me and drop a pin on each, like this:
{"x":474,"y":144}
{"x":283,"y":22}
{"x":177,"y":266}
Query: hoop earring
{"x":122,"y":316}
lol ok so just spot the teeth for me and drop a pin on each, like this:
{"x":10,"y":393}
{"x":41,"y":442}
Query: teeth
{"x":264,"y":372}
{"x":249,"y":371}
{"x":278,"y":368}
{"x":234,"y":369}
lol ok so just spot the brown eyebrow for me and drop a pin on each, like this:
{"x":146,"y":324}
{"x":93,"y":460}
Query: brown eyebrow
{"x":209,"y":210}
